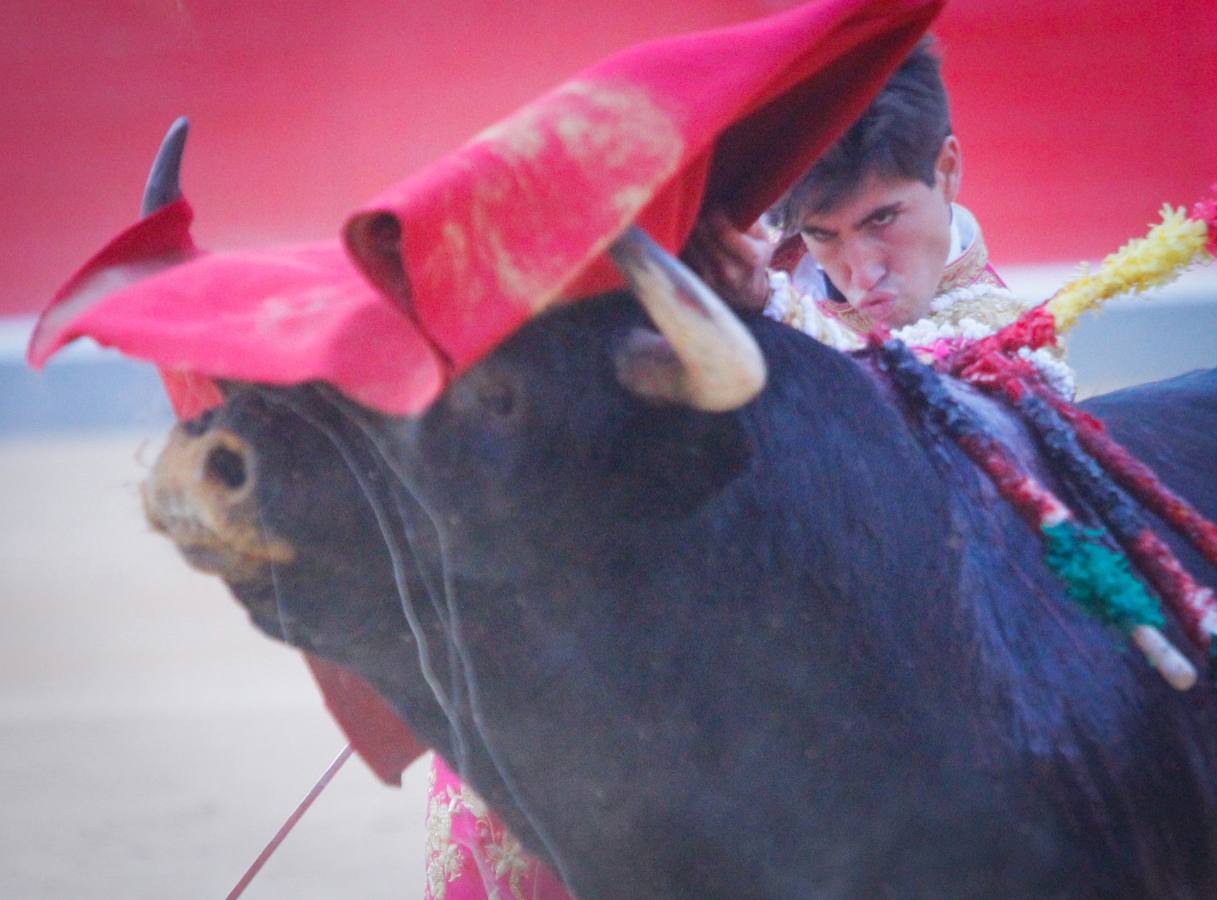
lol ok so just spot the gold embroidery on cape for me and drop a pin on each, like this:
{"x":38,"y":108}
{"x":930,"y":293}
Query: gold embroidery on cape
{"x":607,"y":133}
{"x":995,"y":309}
{"x":504,"y":855}
{"x":805,"y":315}
{"x":970,"y":268}
{"x":846,"y":315}
{"x":443,"y":857}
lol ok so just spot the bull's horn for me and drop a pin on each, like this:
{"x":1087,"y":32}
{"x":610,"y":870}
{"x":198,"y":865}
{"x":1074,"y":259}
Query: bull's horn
{"x":164,"y":185}
{"x":715,"y":364}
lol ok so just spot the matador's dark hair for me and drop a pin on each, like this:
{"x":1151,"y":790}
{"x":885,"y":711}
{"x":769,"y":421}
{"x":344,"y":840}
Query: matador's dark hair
{"x":899,"y":136}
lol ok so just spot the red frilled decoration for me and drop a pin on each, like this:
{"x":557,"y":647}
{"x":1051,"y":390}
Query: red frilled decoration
{"x":444,"y":266}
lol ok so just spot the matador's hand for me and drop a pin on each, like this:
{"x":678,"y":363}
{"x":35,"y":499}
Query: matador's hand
{"x":731,"y":262}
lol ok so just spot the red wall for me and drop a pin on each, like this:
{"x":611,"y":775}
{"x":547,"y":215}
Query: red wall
{"x":1078,"y":119}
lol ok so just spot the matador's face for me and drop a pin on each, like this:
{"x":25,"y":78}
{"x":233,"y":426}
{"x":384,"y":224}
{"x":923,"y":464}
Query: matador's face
{"x":885,"y":246}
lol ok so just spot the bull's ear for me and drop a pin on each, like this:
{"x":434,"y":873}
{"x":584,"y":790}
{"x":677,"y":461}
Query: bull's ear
{"x":670,"y":460}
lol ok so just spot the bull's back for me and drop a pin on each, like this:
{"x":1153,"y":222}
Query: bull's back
{"x":1171,"y":426}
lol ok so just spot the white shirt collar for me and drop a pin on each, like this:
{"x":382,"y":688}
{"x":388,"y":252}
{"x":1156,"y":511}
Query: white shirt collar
{"x":963,"y":232}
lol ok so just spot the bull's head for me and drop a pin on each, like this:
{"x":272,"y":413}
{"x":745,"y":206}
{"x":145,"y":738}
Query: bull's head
{"x":356,"y":535}
{"x":203,"y":492}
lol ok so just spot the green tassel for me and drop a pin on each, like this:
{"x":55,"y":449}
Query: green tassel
{"x":1098,"y":577}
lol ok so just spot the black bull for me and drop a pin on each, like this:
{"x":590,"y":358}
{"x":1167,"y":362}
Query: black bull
{"x":798,"y":649}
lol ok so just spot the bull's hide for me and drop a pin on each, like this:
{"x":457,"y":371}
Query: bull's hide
{"x":801,"y":649}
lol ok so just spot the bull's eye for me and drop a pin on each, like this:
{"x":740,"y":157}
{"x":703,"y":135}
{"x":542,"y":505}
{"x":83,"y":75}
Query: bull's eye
{"x":487,"y":393}
{"x":226,"y":466}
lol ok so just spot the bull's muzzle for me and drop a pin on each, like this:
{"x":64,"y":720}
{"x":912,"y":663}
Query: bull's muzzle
{"x":201,"y":494}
